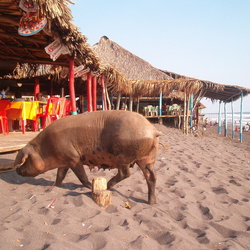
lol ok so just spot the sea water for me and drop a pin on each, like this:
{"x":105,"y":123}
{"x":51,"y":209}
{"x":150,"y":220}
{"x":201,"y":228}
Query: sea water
{"x":213,"y":117}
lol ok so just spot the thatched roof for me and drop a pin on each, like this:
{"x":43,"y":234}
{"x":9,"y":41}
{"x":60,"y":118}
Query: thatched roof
{"x":30,"y":49}
{"x":128,"y":64}
{"x":225,"y":93}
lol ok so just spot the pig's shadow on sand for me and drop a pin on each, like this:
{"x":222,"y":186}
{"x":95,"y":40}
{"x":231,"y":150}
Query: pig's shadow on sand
{"x":13,"y":178}
{"x":75,"y":193}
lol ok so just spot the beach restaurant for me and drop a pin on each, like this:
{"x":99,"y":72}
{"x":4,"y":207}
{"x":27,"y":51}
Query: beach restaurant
{"x":41,"y":43}
{"x":133,"y":78}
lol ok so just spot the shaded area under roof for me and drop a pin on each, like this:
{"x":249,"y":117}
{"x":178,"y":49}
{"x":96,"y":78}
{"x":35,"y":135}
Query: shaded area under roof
{"x":30,"y":49}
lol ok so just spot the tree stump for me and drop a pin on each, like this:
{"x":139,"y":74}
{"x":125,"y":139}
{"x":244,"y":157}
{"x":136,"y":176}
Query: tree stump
{"x":100,"y":194}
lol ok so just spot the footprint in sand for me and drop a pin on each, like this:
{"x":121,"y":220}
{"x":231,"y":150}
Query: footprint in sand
{"x":206,"y":212}
{"x":219,"y":190}
{"x":224,"y":231}
{"x":234,"y":182}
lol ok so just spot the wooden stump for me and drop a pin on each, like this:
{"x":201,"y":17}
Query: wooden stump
{"x":100,"y":194}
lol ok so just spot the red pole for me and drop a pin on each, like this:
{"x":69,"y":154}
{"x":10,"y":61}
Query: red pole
{"x":94,"y":86}
{"x":71,"y":86}
{"x":36,"y":88}
{"x":89,"y":91}
{"x":103,"y":93}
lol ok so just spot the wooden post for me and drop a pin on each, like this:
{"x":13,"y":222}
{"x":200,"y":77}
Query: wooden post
{"x":131,"y":103}
{"x":225,"y":115}
{"x":138,"y":105}
{"x":241,"y":116}
{"x":62,"y":92}
{"x":89,"y":91}
{"x":232,"y":107}
{"x":71,"y":86}
{"x":160,"y":104}
{"x":104,"y":100}
{"x":118,"y":101}
{"x":36,"y":88}
{"x":188,"y":112}
{"x":100,"y":194}
{"x":94,"y":86}
{"x":185,"y":111}
{"x":219,"y":119}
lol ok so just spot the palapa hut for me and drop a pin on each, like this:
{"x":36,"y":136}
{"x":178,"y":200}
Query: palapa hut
{"x":132,"y":76}
{"x":25,"y":41}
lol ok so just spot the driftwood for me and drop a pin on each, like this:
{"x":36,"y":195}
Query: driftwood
{"x":7,"y":166}
{"x":100,"y":194}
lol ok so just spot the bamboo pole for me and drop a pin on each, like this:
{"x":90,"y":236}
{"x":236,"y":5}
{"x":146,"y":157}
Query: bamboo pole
{"x":185,"y":111}
{"x":219,"y":119}
{"x":187,"y":119}
{"x":104,"y":100}
{"x":241,"y":116}
{"x":130,"y":103}
{"x":160,"y":104}
{"x":118,"y":101}
{"x":232,"y":108}
{"x":138,"y":105}
{"x":225,"y":115}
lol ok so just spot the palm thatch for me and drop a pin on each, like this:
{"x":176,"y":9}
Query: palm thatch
{"x":225,"y":93}
{"x":30,"y":49}
{"x":129,"y":74}
{"x":128,"y":64}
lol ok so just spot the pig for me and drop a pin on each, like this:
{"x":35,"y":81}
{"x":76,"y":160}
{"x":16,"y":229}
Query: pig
{"x":106,"y":139}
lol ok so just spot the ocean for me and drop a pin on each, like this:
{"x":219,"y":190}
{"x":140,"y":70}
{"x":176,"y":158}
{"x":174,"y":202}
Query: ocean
{"x":213,"y":117}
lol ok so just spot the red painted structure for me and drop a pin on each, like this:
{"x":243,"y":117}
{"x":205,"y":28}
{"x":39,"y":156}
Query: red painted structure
{"x":71,"y":86}
{"x":89,"y":91}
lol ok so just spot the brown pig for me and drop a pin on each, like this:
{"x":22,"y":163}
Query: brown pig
{"x":106,"y":139}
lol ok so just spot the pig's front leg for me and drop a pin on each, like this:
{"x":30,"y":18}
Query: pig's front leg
{"x":61,"y":173}
{"x":81,"y":174}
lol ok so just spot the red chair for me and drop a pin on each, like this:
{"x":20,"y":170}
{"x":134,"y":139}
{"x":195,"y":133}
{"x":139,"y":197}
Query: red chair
{"x":51,"y":112}
{"x":64,"y":109}
{"x":4,"y":105}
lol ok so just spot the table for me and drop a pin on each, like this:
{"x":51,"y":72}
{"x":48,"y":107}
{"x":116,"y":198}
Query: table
{"x":23,"y":111}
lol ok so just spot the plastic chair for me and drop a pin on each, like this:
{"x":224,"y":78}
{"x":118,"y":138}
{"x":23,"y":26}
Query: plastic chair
{"x":64,"y":107}
{"x":51,"y":112}
{"x":4,"y":105}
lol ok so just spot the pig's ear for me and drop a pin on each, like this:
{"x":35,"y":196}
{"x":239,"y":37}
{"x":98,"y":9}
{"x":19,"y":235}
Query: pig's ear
{"x":21,"y":158}
{"x":37,"y":161}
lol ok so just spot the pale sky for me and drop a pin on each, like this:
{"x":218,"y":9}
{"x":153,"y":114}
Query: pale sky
{"x":204,"y":39}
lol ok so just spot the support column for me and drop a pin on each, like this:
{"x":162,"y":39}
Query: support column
{"x":94,"y":89}
{"x":36,"y":88}
{"x":191,"y":109}
{"x":89,"y":91}
{"x":219,"y":119}
{"x":160,"y":104}
{"x":241,"y":115}
{"x":225,"y":115}
{"x":62,"y":92}
{"x":131,"y":103}
{"x":118,"y":101}
{"x":232,"y":107}
{"x":104,"y":100}
{"x":71,"y":86}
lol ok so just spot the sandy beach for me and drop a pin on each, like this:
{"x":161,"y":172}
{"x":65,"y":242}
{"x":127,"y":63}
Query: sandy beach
{"x":203,"y":202}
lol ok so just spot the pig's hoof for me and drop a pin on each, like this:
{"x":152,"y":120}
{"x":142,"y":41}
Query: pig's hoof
{"x":152,"y":201}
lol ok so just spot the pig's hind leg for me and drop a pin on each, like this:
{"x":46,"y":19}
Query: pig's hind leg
{"x":123,"y":173}
{"x":149,"y":173}
{"x":81,"y":174}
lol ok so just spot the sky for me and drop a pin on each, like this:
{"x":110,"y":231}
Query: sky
{"x":204,"y":39}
